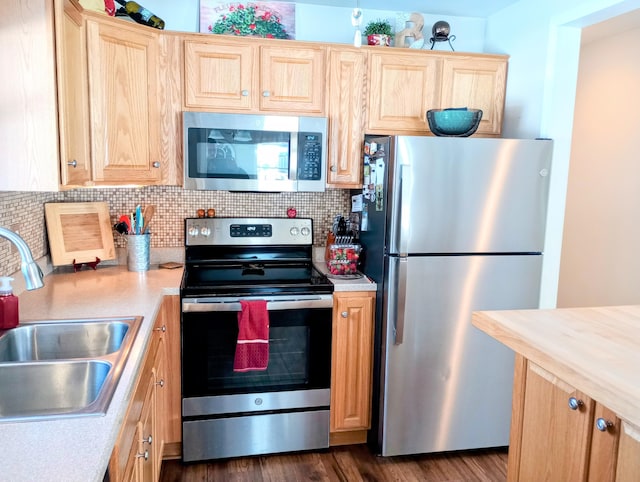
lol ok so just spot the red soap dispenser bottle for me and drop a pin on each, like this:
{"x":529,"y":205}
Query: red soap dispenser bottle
{"x":8,"y":305}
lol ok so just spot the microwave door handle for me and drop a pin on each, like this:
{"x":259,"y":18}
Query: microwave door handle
{"x":293,"y":157}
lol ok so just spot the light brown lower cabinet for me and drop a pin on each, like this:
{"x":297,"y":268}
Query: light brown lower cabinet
{"x":148,"y":429}
{"x":560,"y":434}
{"x":351,"y":366}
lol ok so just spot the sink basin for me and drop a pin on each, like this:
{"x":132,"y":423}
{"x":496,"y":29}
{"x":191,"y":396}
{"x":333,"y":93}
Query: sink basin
{"x":36,"y":390}
{"x":63,"y":368}
{"x":53,"y":341}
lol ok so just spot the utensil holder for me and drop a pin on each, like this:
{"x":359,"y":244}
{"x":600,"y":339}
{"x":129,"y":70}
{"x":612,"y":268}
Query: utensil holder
{"x":138,"y":252}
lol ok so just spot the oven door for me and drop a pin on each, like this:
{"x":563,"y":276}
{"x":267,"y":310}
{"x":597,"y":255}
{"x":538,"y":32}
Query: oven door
{"x":299,"y":348}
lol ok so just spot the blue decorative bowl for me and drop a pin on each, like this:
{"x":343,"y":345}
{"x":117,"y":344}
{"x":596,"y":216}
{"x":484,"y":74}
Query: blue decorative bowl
{"x":454,"y":122}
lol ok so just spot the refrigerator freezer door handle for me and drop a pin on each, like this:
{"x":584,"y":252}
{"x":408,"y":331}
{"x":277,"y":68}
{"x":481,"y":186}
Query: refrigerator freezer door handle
{"x":403,"y":208}
{"x":401,"y":300}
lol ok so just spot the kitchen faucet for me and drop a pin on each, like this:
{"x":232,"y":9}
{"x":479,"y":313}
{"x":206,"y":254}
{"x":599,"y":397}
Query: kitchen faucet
{"x":30,"y":269}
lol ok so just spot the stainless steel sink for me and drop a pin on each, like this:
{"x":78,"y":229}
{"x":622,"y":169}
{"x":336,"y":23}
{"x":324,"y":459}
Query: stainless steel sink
{"x":62,"y":368}
{"x":36,"y":390}
{"x":54,"y":341}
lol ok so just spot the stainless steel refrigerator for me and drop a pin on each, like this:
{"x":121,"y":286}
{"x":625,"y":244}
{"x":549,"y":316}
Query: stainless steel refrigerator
{"x":450,"y":226}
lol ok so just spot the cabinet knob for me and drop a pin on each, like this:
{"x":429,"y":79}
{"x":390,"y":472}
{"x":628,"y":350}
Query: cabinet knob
{"x":163,"y":328}
{"x":73,"y":163}
{"x":145,"y":455}
{"x":147,"y":440}
{"x":266,"y":93}
{"x":156,"y":164}
{"x":333,"y":168}
{"x":344,"y":314}
{"x":603,"y":424}
{"x":160,"y":383}
{"x":574,"y":403}
{"x":244,"y":93}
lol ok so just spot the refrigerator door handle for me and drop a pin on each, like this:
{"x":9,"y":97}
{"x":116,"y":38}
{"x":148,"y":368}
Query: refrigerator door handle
{"x":401,"y":300}
{"x":404,"y":214}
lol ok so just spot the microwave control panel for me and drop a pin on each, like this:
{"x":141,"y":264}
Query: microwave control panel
{"x":309,"y":156}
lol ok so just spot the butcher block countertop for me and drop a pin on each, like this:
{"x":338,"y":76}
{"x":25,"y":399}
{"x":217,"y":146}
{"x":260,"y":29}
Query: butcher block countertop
{"x":596,"y":350}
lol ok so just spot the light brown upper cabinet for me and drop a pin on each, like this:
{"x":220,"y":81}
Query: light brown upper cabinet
{"x":123,"y":92}
{"x":28,"y":118}
{"x":119,"y":96}
{"x":73,"y":102}
{"x":251,"y":75}
{"x":346,"y":117}
{"x":403,"y":85}
{"x":476,"y":82}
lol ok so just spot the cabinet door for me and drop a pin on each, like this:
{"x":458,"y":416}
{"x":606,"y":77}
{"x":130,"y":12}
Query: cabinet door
{"x":604,"y":445}
{"x":628,"y":464}
{"x":292,"y":79}
{"x":148,"y":455}
{"x":219,"y":75}
{"x":28,"y":117}
{"x":403,"y":86}
{"x":123,"y":88}
{"x":346,"y":117}
{"x":171,"y":410}
{"x":73,"y":102}
{"x":554,"y":438}
{"x":351,"y":363}
{"x":476,"y":83}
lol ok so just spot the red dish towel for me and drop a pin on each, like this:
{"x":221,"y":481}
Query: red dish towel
{"x":252,"y":349}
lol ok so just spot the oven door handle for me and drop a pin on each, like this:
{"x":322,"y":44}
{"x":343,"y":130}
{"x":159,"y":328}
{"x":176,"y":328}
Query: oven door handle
{"x":273,"y":303}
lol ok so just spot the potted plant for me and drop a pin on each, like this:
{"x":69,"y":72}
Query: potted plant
{"x":379,"y":32}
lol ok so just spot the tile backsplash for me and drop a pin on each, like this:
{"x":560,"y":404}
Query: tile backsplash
{"x":24,"y":212}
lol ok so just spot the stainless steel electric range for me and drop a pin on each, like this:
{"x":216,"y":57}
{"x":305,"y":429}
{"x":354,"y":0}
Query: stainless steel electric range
{"x":226,"y":413}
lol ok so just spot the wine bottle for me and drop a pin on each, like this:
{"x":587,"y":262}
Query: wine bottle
{"x":141,"y":14}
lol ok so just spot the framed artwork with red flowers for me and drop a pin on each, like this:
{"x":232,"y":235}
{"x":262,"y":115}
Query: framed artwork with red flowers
{"x":258,"y":19}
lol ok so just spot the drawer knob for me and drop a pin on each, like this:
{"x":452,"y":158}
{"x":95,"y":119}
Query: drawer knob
{"x":160,"y":383}
{"x":145,"y":455}
{"x":73,"y":163}
{"x":163,"y":328}
{"x":245,"y":93}
{"x":344,"y":314}
{"x":603,"y":424}
{"x":333,"y":168}
{"x":147,"y":440}
{"x":156,"y":164}
{"x":266,"y":93}
{"x":574,"y":403}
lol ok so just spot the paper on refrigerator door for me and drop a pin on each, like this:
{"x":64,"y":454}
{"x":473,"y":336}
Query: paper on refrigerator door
{"x":380,"y":165}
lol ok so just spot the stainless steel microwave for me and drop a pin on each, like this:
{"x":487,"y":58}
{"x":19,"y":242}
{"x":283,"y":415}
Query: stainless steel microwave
{"x":245,"y":152}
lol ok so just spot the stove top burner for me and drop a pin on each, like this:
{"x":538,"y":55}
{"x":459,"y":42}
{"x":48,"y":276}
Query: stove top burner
{"x":257,"y":256}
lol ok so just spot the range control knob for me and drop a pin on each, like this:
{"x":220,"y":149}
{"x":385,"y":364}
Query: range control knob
{"x":305,"y":231}
{"x":193,"y":231}
{"x":205,"y":231}
{"x":293,"y":231}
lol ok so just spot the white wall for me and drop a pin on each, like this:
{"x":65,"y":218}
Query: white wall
{"x":600,"y":263}
{"x":543,"y":39}
{"x":333,"y":24}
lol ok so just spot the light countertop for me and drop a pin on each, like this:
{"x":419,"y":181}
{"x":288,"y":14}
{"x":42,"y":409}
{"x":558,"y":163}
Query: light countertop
{"x":78,"y":449}
{"x":596,"y":350}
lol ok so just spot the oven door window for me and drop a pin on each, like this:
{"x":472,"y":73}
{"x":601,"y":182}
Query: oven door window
{"x":239,"y":154}
{"x":299,"y":353}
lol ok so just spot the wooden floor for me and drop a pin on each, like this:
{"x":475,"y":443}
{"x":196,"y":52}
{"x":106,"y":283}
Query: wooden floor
{"x":345,"y":464}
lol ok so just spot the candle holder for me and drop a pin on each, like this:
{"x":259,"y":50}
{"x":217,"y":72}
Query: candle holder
{"x":441,"y":33}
